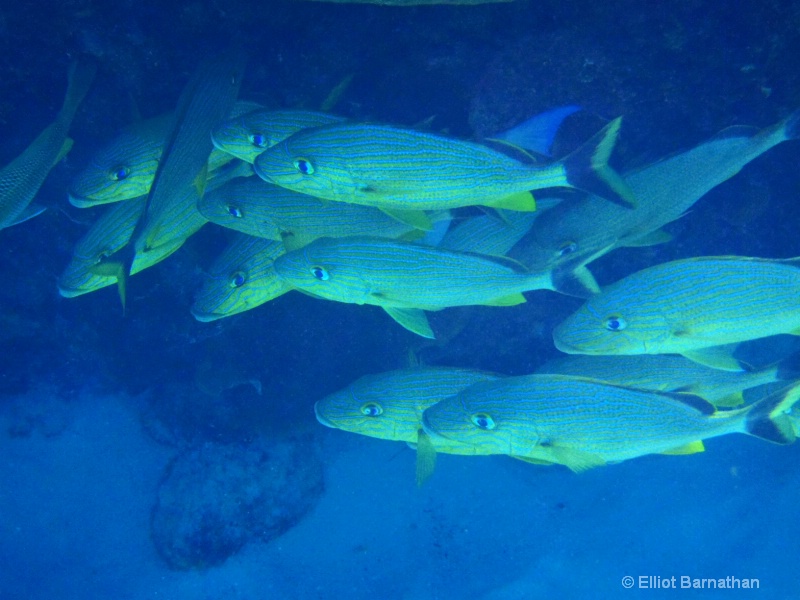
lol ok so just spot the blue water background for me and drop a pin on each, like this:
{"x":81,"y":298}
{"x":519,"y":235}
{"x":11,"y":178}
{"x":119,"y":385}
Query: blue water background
{"x":74,"y":506}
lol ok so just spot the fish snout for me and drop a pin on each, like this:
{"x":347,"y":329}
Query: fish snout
{"x":321,"y":418}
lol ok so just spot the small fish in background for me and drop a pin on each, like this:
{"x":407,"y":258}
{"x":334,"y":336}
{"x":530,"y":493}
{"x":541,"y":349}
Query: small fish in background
{"x":397,"y":168}
{"x":21,"y":179}
{"x":696,"y":307}
{"x":405,"y":278}
{"x":124,"y":168}
{"x":578,"y":231}
{"x":242,"y":278}
{"x":583,"y":423}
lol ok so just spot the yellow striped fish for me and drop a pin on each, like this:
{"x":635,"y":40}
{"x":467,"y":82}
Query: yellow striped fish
{"x":689,"y":307}
{"x":404,"y":278}
{"x":182,"y":172}
{"x":488,"y":234}
{"x":23,"y":176}
{"x":263,"y":210}
{"x":583,"y":423}
{"x":248,"y":135}
{"x":671,"y":373}
{"x":393,"y":168}
{"x":241,"y":278}
{"x":112,"y":232}
{"x":124,"y":168}
{"x":389,"y":405}
{"x":574,"y":233}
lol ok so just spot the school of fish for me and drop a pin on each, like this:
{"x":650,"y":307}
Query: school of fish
{"x":371,"y":213}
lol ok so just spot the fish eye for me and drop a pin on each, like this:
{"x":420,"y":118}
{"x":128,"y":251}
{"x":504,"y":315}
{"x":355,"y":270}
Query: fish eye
{"x":371,"y":409}
{"x":259,"y":140}
{"x":238,"y":279}
{"x":235,"y":212}
{"x":615,"y":323}
{"x":320,"y":273}
{"x":567,"y":248}
{"x":483,"y":421}
{"x":304,"y":166}
{"x":119,"y":173}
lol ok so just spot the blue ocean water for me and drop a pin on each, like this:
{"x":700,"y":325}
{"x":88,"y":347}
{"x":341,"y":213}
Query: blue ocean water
{"x":99,"y":412}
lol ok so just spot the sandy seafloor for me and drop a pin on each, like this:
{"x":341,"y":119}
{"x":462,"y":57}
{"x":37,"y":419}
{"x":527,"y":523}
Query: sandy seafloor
{"x":74,"y":522}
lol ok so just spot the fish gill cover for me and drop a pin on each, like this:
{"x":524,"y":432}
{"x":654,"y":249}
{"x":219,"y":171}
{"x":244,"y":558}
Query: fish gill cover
{"x":705,"y":90}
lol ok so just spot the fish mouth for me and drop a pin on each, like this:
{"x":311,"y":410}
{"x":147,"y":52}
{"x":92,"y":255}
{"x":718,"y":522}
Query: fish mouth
{"x":67,"y":292}
{"x":321,"y":418}
{"x":426,"y":427}
{"x":206,"y":317}
{"x":565,"y":347}
{"x":81,"y":201}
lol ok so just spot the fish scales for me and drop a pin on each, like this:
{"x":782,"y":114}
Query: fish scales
{"x":249,"y":134}
{"x":206,"y":100}
{"x":688,"y":304}
{"x":258,"y":208}
{"x":21,"y":179}
{"x":384,"y":272}
{"x":582,"y":422}
{"x":395,"y":168}
{"x":397,"y":398}
{"x":124,"y":168}
{"x":581,"y":230}
{"x":241,"y":278}
{"x":665,"y":373}
{"x":113,"y":230}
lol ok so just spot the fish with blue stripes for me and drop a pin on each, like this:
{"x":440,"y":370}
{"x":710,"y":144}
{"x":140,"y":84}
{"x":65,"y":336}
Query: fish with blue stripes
{"x":389,"y":406}
{"x":241,"y":278}
{"x":247,"y":135}
{"x":395,"y":168}
{"x":673,"y":373}
{"x":405,"y":278}
{"x":272,"y":212}
{"x":696,"y":307}
{"x":125,"y":167}
{"x":575,"y":232}
{"x":21,"y":179}
{"x":583,"y":423}
{"x":182,"y":173}
{"x":112,"y":231}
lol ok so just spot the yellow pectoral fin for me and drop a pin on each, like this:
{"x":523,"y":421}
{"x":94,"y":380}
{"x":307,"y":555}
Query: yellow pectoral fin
{"x":522,"y":201}
{"x":510,"y":300}
{"x":114,"y":269}
{"x":426,"y":457}
{"x":716,"y":357}
{"x":690,"y":448}
{"x":576,"y":460}
{"x":336,"y":93}
{"x":417,"y":219}
{"x":730,"y":401}
{"x":200,"y":179}
{"x":65,"y":148}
